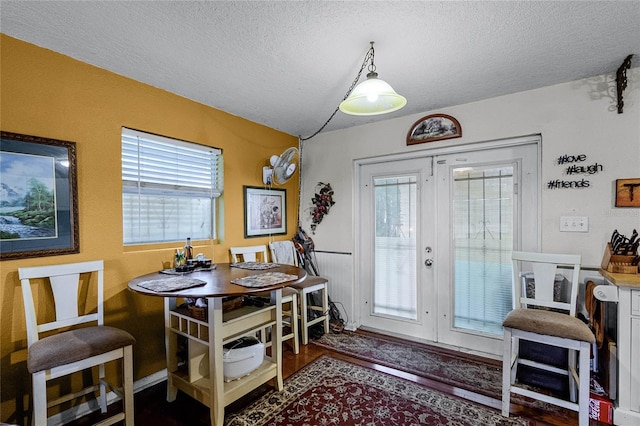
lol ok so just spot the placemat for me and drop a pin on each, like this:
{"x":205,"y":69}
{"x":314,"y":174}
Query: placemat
{"x":171,"y":283}
{"x":254,"y":265}
{"x":265,"y":279}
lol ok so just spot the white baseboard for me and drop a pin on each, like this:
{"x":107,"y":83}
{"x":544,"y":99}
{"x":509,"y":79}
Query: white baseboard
{"x":88,"y":407}
{"x":351,"y":326}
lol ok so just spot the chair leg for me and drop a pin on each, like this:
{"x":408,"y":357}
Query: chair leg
{"x":294,"y":324}
{"x":39,"y":398}
{"x":127,"y":385}
{"x":573,"y":385}
{"x":325,"y":308}
{"x":515,"y":357}
{"x":583,"y":393}
{"x":102,"y":400}
{"x":506,"y":372}
{"x":303,"y":317}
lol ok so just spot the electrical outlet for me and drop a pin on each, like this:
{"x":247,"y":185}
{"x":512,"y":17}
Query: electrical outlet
{"x":574,"y":224}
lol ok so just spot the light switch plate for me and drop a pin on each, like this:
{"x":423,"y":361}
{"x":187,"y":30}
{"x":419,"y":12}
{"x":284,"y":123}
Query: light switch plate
{"x":574,"y":224}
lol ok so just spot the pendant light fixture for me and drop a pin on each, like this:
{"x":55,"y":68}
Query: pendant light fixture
{"x":373,"y":96}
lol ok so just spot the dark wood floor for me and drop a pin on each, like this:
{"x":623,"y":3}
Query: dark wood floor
{"x":151,"y":407}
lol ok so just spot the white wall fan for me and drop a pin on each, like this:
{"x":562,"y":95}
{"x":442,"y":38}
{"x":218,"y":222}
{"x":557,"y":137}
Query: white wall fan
{"x":282,"y":167}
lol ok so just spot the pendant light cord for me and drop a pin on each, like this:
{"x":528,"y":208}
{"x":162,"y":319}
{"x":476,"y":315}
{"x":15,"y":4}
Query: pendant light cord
{"x":369,"y":56}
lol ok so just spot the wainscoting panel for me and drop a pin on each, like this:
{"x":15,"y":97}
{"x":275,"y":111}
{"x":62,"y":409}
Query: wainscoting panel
{"x":337,"y":267}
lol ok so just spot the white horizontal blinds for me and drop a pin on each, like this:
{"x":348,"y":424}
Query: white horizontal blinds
{"x":395,"y":291}
{"x":483,"y":240}
{"x":168,"y":188}
{"x":163,"y":165}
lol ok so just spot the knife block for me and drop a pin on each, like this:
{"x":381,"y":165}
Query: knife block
{"x":618,"y":264}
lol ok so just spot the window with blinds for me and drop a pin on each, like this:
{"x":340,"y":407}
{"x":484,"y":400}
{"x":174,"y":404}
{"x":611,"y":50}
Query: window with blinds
{"x":169,"y":188}
{"x":396,"y":209}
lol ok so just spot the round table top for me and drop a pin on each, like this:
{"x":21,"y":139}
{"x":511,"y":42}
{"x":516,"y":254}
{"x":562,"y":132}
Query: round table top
{"x":218,"y":281}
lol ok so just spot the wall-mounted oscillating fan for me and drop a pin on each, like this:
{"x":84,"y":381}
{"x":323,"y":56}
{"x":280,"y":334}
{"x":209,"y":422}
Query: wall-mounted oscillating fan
{"x":282,"y":167}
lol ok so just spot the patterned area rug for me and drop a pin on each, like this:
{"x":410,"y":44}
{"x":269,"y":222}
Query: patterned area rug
{"x":440,"y":365}
{"x":420,"y":360}
{"x":334,"y":392}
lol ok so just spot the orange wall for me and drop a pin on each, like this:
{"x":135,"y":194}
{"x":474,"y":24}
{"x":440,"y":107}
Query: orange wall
{"x":53,"y":96}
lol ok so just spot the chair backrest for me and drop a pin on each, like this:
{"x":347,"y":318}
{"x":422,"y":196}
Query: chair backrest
{"x":283,"y":252}
{"x":65,"y":285}
{"x":248,"y":254}
{"x":542,"y":268}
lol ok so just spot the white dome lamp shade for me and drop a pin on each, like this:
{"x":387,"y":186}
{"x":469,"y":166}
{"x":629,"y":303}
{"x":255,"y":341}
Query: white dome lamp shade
{"x":373,"y":96}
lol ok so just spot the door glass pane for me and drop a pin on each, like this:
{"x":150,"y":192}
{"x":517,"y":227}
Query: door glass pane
{"x":395,"y":286}
{"x":483,"y":201}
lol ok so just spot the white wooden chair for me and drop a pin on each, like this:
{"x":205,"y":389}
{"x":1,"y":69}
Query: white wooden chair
{"x":284,"y":252}
{"x":289,"y":295}
{"x":539,"y":318}
{"x":74,"y":349}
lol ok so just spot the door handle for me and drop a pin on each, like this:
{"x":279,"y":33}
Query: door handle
{"x":428,"y":263}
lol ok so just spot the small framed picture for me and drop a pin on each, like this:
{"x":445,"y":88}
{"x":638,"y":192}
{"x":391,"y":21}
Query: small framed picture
{"x":434,"y":127}
{"x":265,"y":211}
{"x":628,"y":192}
{"x":39,"y":197}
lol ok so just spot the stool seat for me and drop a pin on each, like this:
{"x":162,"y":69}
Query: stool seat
{"x":75,"y":345}
{"x":309,"y":282}
{"x":288,"y":291}
{"x":549,"y":323}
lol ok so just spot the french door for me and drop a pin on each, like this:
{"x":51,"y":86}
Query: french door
{"x":435,"y":238}
{"x":396,"y":223}
{"x":487,"y":206}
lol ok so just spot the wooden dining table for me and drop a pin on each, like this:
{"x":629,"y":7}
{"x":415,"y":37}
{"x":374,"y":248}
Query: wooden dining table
{"x":201,"y":373}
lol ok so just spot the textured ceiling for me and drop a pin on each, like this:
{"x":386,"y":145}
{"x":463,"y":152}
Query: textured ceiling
{"x":288,"y":64}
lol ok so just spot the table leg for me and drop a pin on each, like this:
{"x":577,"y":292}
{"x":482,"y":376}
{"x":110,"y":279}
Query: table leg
{"x":276,"y":338}
{"x":216,"y":372}
{"x":171,"y":347}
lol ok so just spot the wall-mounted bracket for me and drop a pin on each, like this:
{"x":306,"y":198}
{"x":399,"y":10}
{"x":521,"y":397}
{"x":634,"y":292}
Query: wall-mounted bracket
{"x":621,"y":81}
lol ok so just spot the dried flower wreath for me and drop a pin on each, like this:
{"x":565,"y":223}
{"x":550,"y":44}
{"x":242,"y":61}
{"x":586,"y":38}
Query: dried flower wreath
{"x":322,"y":200}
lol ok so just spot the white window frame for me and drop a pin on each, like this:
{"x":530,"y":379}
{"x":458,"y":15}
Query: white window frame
{"x":157,"y":170}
